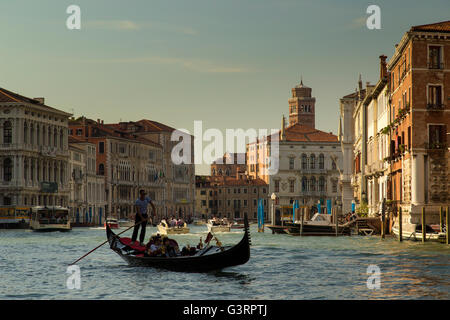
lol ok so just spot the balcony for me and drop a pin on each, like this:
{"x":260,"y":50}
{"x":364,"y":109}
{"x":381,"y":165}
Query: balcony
{"x":436,"y":146}
{"x":435,"y":106}
{"x":436,"y":65}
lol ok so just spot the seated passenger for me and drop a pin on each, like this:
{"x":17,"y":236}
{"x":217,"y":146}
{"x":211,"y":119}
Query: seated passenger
{"x":154,"y":248}
{"x":167,"y":249}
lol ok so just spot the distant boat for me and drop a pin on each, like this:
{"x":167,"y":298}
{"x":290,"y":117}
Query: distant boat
{"x":112,"y":223}
{"x":319,"y":225}
{"x":218,"y":226}
{"x":430,"y":235}
{"x":51,"y":218}
{"x":125,"y":223}
{"x":163,"y":228}
{"x":14,"y":217}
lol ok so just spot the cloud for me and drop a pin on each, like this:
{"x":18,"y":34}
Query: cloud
{"x":131,"y":25}
{"x":358,"y":23}
{"x":112,"y":25}
{"x":197,"y":65}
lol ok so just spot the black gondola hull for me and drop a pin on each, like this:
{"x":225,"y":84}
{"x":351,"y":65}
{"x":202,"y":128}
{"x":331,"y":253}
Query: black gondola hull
{"x":214,"y":259}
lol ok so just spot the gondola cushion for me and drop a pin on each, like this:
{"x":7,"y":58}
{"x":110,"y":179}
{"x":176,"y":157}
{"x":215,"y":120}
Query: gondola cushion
{"x":127,"y":242}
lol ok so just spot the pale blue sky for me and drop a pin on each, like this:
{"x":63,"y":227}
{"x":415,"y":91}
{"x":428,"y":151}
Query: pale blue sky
{"x":230,"y":63}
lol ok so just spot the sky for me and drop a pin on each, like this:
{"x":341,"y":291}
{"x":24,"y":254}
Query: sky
{"x":228,"y":63}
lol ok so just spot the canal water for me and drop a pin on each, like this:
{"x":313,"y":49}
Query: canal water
{"x":34,"y":265}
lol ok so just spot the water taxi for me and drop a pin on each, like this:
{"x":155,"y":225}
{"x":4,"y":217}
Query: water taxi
{"x":163,"y":228}
{"x":50,"y":218}
{"x":216,"y":225}
{"x":319,"y":225}
{"x":13,"y":217}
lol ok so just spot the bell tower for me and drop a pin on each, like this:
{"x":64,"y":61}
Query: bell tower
{"x":302,"y":106}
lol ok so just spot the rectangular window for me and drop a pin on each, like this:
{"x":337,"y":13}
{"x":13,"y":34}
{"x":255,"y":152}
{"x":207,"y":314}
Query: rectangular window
{"x":437,"y":136}
{"x":291,"y":163}
{"x":277,"y":186}
{"x":101,"y":147}
{"x":434,"y":57}
{"x":434,"y":97}
{"x":291,"y":185}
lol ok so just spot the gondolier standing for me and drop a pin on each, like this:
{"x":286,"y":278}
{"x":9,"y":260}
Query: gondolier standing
{"x":141,"y":207}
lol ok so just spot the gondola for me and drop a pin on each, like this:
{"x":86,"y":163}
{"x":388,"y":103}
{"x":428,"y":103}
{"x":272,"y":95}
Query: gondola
{"x":207,"y":259}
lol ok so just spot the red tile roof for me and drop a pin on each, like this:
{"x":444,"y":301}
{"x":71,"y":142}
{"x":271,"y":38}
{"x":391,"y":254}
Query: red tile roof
{"x":443,"y":26}
{"x":9,"y":96}
{"x":300,"y":133}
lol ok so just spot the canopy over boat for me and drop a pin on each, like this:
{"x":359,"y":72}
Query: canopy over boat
{"x":207,"y":259}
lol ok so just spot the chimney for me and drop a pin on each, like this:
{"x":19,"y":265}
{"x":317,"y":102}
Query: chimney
{"x":40,"y":100}
{"x":383,"y":67}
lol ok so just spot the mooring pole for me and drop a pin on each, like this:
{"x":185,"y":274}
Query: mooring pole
{"x":382,"y":219}
{"x":400,"y":225}
{"x":441,"y":216}
{"x":301,"y":225}
{"x":446,"y":223}
{"x":337,"y":221}
{"x":424,"y":234}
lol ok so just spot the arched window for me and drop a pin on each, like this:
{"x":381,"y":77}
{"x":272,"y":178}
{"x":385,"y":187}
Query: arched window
{"x":304,"y":184}
{"x":312,"y":161}
{"x":25,"y":132}
{"x":220,"y":172}
{"x":304,"y":162}
{"x":213,"y":172}
{"x":321,"y":161}
{"x":7,"y":132}
{"x":321,"y":184}
{"x":55,"y":138}
{"x":312,"y":185}
{"x":7,"y":169}
{"x":227,"y":172}
{"x":101,"y":169}
{"x":43,"y":135}
{"x":333,"y":165}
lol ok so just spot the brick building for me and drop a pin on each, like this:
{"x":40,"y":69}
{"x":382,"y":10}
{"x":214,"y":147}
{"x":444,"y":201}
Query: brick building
{"x":420,"y":118}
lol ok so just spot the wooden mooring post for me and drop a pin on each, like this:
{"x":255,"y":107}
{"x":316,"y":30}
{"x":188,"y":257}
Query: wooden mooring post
{"x":446,"y":224}
{"x":424,"y":229}
{"x":441,"y":216}
{"x":400,"y":225}
{"x":336,"y":221}
{"x":302,"y":220}
{"x":383,"y":218}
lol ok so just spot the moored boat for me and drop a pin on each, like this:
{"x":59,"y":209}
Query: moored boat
{"x":51,"y":218}
{"x":207,"y":259}
{"x":278,"y":229}
{"x":319,"y":225}
{"x":164,"y":228}
{"x":416,"y":235}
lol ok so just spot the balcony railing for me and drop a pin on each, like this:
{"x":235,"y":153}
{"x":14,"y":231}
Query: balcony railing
{"x":435,"y":106}
{"x":435,"y":65}
{"x":436,"y":146}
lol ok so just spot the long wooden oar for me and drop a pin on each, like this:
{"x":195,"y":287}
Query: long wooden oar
{"x":107,"y":241}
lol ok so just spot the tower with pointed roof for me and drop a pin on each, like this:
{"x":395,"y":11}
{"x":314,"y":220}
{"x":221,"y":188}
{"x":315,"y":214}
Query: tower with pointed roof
{"x":302,"y":106}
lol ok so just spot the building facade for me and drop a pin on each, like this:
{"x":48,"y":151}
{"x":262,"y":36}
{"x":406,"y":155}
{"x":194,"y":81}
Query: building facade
{"x":230,"y":197}
{"x":308,"y":160}
{"x":34,"y":154}
{"x":87,"y":188}
{"x":420,"y":118}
